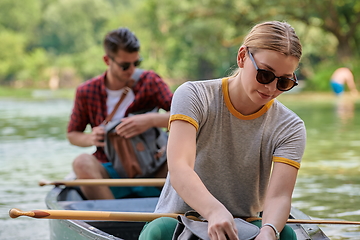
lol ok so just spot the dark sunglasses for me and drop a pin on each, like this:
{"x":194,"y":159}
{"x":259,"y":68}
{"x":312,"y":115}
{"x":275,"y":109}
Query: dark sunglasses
{"x":126,"y":65}
{"x":265,"y":77}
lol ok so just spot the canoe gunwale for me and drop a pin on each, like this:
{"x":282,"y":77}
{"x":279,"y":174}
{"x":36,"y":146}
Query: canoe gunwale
{"x":87,"y":231}
{"x":78,"y":226}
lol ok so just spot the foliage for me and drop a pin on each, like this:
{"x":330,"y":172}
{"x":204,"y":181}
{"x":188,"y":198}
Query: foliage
{"x":340,"y":18}
{"x":22,"y":17}
{"x":319,"y":80}
{"x":72,"y":26}
{"x":12,"y":48}
{"x":35,"y":66}
{"x":180,"y":40}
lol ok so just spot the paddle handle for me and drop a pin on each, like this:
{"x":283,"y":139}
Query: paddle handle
{"x":125,"y":182}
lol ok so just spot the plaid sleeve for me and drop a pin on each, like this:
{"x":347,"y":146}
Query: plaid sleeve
{"x":78,"y":117}
{"x":150,"y":92}
{"x":164,"y":94}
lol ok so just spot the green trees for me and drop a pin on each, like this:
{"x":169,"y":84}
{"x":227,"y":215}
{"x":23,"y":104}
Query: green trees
{"x":335,"y":43}
{"x":337,"y":17}
{"x":202,"y":37}
{"x":16,"y":35}
{"x":181,"y":40}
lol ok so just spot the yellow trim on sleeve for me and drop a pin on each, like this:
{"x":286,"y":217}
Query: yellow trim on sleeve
{"x":286,"y":161}
{"x":225,"y":86}
{"x":183,"y":118}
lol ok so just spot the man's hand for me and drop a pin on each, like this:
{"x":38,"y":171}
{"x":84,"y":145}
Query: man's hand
{"x":134,"y":125}
{"x":97,"y":136}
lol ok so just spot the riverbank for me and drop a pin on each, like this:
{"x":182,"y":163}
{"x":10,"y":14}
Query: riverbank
{"x":29,"y":93}
{"x":69,"y":93}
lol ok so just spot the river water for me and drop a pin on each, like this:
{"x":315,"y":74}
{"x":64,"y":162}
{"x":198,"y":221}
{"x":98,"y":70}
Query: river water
{"x":33,"y":147}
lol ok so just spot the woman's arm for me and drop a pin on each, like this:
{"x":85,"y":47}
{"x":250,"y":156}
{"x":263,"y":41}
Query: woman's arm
{"x":277,"y":204}
{"x":181,"y":160}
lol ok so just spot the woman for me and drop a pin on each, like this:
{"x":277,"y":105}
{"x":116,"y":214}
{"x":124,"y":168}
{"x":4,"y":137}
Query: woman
{"x":233,"y":149}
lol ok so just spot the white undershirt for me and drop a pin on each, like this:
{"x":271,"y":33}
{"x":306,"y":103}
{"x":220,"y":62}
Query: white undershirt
{"x":113,"y":97}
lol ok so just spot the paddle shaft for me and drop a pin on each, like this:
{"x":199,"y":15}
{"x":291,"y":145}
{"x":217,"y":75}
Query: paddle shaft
{"x":91,"y":215}
{"x":125,"y":182}
{"x":134,"y":216}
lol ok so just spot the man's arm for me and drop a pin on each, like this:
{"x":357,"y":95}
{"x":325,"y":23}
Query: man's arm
{"x":160,"y":119}
{"x":81,"y":139}
{"x":351,"y":84}
{"x":137,"y":124}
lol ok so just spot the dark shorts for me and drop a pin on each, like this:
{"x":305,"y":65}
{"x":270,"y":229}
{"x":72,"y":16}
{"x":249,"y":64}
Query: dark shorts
{"x":121,"y":192}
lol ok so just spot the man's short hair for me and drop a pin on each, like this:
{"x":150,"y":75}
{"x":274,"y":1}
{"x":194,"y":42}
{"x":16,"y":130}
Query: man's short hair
{"x":121,"y":39}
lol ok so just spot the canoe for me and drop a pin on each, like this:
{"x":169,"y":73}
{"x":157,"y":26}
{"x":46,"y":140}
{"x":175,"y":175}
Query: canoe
{"x":69,"y":198}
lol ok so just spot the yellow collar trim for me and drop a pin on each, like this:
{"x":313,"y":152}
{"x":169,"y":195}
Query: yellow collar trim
{"x":225,"y":87}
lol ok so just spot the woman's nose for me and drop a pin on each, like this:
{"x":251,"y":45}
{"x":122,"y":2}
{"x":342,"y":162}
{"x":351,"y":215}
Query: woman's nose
{"x":272,"y":86}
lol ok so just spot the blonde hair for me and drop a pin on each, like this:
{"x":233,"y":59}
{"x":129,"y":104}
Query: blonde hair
{"x":273,"y":35}
{"x":276,"y":36}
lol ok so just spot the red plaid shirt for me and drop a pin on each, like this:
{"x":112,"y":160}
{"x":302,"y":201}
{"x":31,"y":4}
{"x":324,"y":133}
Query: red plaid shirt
{"x":90,"y":102}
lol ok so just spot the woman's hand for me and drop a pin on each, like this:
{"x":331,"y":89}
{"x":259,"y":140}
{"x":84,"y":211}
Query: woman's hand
{"x":266,"y":233}
{"x":222,"y":226}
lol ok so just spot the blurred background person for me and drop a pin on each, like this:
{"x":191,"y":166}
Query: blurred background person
{"x":96,"y":98}
{"x":339,"y":78}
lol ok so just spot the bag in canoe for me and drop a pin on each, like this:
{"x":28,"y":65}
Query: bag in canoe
{"x":141,"y":156}
{"x":188,"y":229}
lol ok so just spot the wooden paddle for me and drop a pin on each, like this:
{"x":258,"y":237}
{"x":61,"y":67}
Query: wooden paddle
{"x":136,"y":216}
{"x":125,"y":182}
{"x":91,"y":215}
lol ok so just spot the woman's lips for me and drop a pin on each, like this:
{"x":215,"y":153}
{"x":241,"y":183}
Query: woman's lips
{"x":263,"y":95}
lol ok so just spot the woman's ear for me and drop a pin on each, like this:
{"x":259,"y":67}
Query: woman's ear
{"x":241,"y":56}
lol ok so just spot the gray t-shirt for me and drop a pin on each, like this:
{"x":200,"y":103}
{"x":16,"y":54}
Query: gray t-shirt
{"x":234,"y":152}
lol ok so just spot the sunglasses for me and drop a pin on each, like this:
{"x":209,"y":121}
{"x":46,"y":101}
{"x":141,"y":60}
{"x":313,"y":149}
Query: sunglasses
{"x":265,"y":77}
{"x":126,"y":65}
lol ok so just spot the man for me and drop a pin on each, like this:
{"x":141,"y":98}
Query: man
{"x":339,"y":78}
{"x":96,"y":98}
